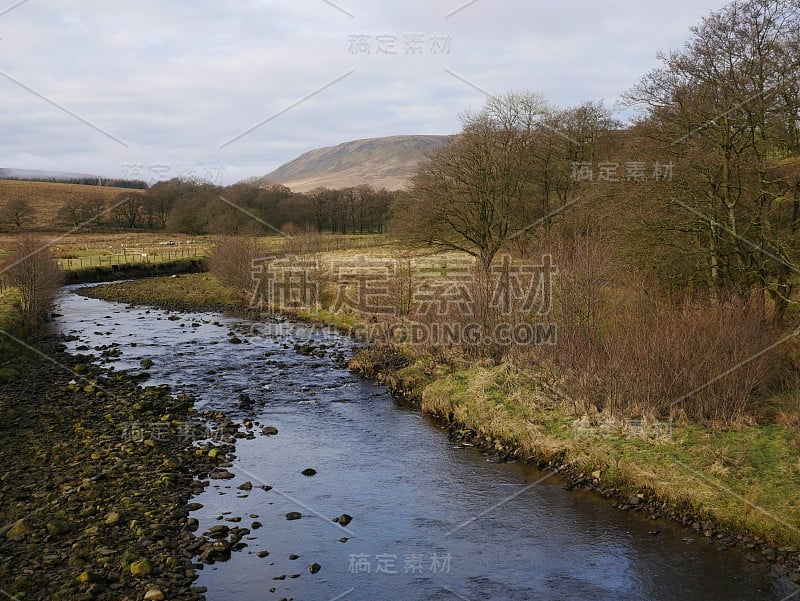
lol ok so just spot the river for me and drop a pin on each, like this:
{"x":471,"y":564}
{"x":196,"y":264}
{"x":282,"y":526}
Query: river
{"x":431,"y":519}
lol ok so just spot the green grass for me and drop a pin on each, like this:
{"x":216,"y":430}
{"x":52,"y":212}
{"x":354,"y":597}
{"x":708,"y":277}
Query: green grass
{"x":82,"y":259}
{"x":12,"y":354}
{"x":197,"y":291}
{"x":746,"y":479}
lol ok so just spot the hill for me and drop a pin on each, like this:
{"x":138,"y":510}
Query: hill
{"x":35,"y":174}
{"x":380,"y":162}
{"x":46,"y":199}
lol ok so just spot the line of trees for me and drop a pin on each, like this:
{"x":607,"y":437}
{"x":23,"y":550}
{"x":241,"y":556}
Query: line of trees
{"x":199,"y":208}
{"x":503,"y":178}
{"x":134,"y":184}
{"x":726,"y":110}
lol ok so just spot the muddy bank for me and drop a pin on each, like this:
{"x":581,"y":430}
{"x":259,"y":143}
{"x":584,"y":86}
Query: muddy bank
{"x":96,"y":476}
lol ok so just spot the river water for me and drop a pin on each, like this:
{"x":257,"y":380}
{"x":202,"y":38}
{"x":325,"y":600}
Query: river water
{"x":431,"y":519}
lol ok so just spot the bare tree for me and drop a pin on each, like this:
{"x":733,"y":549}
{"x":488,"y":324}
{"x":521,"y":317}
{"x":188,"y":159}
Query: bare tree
{"x":77,"y":211}
{"x":468,"y":194}
{"x":726,"y":107}
{"x":16,"y":212}
{"x":32,"y":269}
{"x":128,"y":211}
{"x":232,"y":260}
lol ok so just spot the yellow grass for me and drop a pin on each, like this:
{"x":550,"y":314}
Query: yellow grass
{"x":47,"y":199}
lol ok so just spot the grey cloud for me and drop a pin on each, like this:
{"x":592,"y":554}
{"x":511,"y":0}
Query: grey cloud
{"x":175,"y":80}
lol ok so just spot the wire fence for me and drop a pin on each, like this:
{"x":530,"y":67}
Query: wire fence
{"x":130,"y":256}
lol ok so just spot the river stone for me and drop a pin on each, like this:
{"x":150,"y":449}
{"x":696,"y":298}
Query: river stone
{"x":112,"y":518}
{"x":141,"y":568}
{"x":293,"y":515}
{"x":269,"y":431}
{"x":220,"y":475}
{"x":84,"y":578}
{"x":219,"y":531}
{"x":154,"y":595}
{"x":245,"y":486}
{"x":19,"y":531}
{"x":314,"y":568}
{"x":309,"y":471}
{"x":343,"y":519}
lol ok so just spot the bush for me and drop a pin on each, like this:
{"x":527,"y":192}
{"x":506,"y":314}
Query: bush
{"x":32,"y":269}
{"x":232,"y":261}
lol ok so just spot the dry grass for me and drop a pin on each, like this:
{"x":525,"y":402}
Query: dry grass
{"x":47,"y":199}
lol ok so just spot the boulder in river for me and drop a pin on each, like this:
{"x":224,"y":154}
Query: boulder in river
{"x":343,"y":519}
{"x":220,"y":475}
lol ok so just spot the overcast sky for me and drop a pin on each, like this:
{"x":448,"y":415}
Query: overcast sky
{"x":242,"y":86}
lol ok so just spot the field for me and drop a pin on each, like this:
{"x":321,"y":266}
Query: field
{"x":47,"y":199}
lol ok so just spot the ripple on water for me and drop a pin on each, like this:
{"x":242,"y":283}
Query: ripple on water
{"x":480,"y":529}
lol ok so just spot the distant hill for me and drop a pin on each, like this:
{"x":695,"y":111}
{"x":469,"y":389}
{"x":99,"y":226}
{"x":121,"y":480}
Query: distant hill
{"x":35,"y":174}
{"x":380,"y":162}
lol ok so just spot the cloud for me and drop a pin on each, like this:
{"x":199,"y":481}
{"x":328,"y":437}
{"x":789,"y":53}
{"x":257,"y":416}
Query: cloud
{"x":176,"y":80}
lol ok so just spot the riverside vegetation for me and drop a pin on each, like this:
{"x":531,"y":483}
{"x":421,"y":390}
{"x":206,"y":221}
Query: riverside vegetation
{"x":736,"y":484}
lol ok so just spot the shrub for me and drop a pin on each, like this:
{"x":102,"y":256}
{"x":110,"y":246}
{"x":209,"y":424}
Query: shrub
{"x":32,"y":269}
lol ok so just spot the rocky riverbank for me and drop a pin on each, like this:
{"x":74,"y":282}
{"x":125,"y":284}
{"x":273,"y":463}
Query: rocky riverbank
{"x":619,"y":469}
{"x":97,"y":473}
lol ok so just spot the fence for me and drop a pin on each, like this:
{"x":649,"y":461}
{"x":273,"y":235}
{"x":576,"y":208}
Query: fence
{"x":130,"y":257}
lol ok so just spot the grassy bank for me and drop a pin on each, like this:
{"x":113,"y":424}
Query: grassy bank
{"x":743,"y":479}
{"x":192,"y":292}
{"x":12,"y":355}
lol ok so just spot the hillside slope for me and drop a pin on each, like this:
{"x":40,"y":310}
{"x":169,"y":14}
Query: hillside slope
{"x":46,"y":200}
{"x":380,"y":162}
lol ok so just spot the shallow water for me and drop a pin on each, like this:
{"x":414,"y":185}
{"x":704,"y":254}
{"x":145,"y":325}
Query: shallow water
{"x":431,"y":520}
